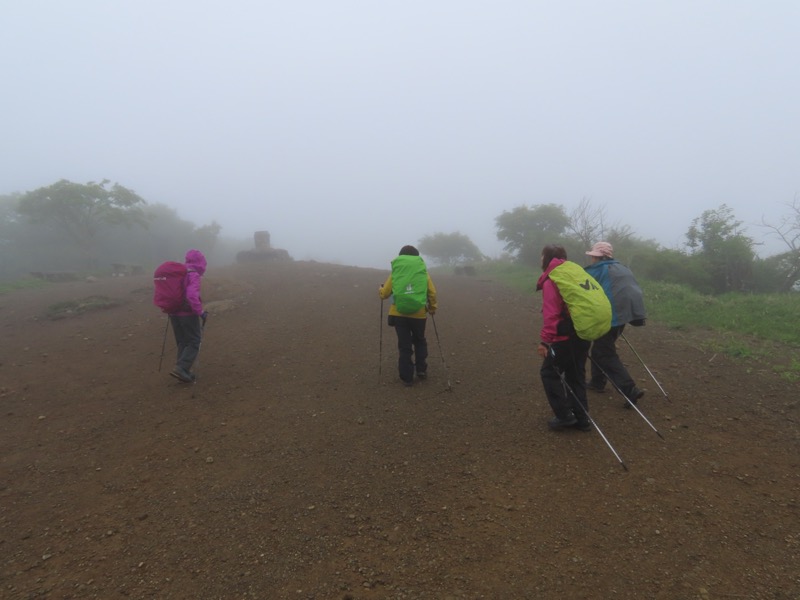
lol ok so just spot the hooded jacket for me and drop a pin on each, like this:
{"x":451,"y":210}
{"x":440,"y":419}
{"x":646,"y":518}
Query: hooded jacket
{"x":195,"y":267}
{"x":554,"y":309}
{"x":624,"y":293}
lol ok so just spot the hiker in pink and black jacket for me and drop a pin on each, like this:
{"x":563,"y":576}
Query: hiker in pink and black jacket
{"x":563,"y":369}
{"x":187,"y":323}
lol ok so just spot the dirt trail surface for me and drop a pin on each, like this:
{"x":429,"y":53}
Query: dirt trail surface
{"x":292,"y":469}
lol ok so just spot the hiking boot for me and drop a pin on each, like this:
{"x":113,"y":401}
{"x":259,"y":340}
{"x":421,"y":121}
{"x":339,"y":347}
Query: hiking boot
{"x":634,"y":396}
{"x":422,"y":374}
{"x":583,"y":425}
{"x":596,"y":387}
{"x":557,"y":423}
{"x":182,"y":375}
{"x":407,"y":383}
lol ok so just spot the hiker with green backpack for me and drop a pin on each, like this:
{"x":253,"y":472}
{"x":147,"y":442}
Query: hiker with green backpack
{"x":413,"y":298}
{"x":575,"y":310}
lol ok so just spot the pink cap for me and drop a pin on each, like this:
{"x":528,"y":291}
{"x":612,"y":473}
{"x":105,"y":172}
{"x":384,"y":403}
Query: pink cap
{"x":601,"y":249}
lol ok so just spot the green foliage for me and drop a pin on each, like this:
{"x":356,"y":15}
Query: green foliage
{"x":449,"y":248}
{"x":82,"y":211}
{"x":666,"y":265}
{"x":527,"y":230}
{"x":722,"y":250}
{"x":772,"y":274}
{"x":25,"y":246}
{"x":118,"y":227}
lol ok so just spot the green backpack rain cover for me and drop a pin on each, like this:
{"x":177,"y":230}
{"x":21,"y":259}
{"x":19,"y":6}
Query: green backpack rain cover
{"x":588,"y":304}
{"x":409,"y":284}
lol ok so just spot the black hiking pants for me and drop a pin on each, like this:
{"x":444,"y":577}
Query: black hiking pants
{"x":188,"y":335}
{"x":568,"y":360}
{"x":606,"y":363}
{"x":411,"y":345}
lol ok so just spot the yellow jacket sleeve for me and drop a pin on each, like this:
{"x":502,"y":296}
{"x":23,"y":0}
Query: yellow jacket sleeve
{"x":386,"y":289}
{"x":433,"y":304}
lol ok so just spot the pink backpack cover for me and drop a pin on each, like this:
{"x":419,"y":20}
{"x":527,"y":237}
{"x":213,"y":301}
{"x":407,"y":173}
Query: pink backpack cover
{"x":170,"y":288}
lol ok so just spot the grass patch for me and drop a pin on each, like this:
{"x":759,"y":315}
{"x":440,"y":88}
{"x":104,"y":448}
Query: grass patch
{"x":22,"y":284}
{"x":71,"y":308}
{"x":790,"y":372}
{"x":764,"y":316}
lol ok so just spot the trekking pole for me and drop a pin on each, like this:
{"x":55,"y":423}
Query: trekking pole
{"x":600,"y":431}
{"x":439,"y":343}
{"x":645,"y":366}
{"x":586,"y":412}
{"x":380,"y":343}
{"x":203,"y":318}
{"x":163,"y":346}
{"x":628,"y":400}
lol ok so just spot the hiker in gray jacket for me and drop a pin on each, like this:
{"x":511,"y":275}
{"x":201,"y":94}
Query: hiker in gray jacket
{"x":627,"y":304}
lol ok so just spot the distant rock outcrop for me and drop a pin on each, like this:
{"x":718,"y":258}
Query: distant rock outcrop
{"x":263,"y":252}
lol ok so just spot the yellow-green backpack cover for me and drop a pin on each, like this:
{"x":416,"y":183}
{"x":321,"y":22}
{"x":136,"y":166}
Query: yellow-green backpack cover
{"x":588,"y":304}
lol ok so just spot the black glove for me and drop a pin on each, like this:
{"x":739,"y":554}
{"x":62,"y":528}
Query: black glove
{"x":203,"y":317}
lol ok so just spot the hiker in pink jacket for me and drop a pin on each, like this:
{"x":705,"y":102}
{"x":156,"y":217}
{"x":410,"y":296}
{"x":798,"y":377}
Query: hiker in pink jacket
{"x":188,"y":321}
{"x":563,"y":369}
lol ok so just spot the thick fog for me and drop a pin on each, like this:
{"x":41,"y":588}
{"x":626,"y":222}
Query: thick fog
{"x":349,"y":128}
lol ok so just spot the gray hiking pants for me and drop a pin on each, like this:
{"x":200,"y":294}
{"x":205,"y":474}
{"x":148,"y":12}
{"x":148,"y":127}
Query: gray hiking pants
{"x":188,"y":335}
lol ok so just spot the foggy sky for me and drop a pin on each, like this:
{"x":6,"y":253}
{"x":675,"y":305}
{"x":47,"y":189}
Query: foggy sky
{"x":350,"y":128}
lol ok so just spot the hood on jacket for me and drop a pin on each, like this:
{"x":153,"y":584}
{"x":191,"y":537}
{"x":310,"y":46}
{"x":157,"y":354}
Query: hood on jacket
{"x":195,"y":260}
{"x":553,"y":264}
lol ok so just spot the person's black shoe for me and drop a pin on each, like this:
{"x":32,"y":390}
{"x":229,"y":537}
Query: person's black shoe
{"x":583,"y":425}
{"x":634,"y":397}
{"x":422,"y":374}
{"x":407,"y":383}
{"x":594,"y":387}
{"x":182,"y":375}
{"x":556,"y":423}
